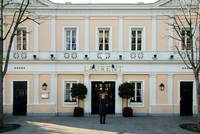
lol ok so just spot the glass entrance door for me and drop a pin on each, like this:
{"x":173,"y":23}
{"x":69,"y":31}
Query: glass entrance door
{"x":108,"y":88}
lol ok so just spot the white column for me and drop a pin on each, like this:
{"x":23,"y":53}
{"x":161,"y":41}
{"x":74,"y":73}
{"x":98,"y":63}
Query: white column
{"x":87,"y":103}
{"x":53,"y":33}
{"x":118,"y":100}
{"x":4,"y":91}
{"x":36,"y":89}
{"x":36,"y":36}
{"x":86,"y":33}
{"x":154,"y":34}
{"x":53,"y":93}
{"x":170,"y":89}
{"x":121,"y":33}
{"x":170,"y":33}
{"x":152,"y":91}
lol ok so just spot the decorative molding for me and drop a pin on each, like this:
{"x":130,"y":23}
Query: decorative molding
{"x":154,"y":34}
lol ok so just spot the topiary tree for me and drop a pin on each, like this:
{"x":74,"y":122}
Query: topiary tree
{"x":79,"y":91}
{"x":126,"y":91}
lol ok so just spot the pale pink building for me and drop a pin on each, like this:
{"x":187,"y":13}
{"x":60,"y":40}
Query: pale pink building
{"x":102,"y":46}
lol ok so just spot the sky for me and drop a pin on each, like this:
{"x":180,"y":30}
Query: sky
{"x":103,"y":1}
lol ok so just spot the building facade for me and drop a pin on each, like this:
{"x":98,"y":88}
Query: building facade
{"x":102,"y":46}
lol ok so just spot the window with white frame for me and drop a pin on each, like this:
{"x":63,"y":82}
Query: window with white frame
{"x":67,"y":91}
{"x":71,"y":38}
{"x":186,"y":42}
{"x":103,"y":39}
{"x":136,"y":39}
{"x":138,"y":92}
{"x":21,"y":38}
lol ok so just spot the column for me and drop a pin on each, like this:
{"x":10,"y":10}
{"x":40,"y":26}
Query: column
{"x":86,"y":33}
{"x":170,"y":89}
{"x":53,"y":93}
{"x":170,"y":33}
{"x":121,"y":33}
{"x":87,"y":101}
{"x":152,"y":91}
{"x":118,"y":99}
{"x":53,"y":33}
{"x":36,"y":89}
{"x":154,"y":34}
{"x":36,"y":36}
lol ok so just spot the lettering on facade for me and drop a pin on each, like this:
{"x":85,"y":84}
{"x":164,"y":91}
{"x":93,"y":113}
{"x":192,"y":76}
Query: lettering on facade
{"x":19,"y":68}
{"x":185,"y":68}
{"x":103,"y":68}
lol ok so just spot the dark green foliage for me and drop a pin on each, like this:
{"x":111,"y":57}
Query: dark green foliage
{"x":79,"y":91}
{"x":127,"y":112}
{"x":126,"y":90}
{"x":78,"y":112}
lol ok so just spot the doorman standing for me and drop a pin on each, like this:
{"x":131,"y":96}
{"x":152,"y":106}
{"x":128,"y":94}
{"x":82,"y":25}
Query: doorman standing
{"x":102,"y":108}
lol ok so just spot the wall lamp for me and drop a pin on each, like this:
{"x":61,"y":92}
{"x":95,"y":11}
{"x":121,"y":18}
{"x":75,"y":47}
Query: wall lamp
{"x":93,"y":66}
{"x":86,"y":56}
{"x":44,"y":86}
{"x":113,"y":66}
{"x":52,"y":57}
{"x":34,"y":56}
{"x":171,"y":57}
{"x":162,"y":87}
{"x":120,"y":57}
{"x":155,"y":56}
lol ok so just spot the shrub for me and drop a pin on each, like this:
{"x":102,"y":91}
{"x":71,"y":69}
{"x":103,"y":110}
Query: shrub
{"x":127,"y":112}
{"x":78,"y":112}
{"x":78,"y":90}
{"x":126,"y":90}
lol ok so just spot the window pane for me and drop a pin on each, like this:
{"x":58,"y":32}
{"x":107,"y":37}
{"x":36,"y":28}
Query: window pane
{"x":133,"y":46}
{"x":24,"y":39}
{"x":71,"y":39}
{"x":139,"y":46}
{"x":74,"y":46}
{"x":101,"y":46}
{"x":67,"y":92}
{"x":106,"y":46}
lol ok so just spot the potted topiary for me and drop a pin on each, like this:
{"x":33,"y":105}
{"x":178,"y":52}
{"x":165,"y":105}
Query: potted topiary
{"x":126,"y":91}
{"x":78,"y":91}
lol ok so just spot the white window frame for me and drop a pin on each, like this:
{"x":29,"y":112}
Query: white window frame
{"x":64,"y":37}
{"x":97,"y":37}
{"x":27,"y":39}
{"x":68,"y":104}
{"x":143,"y":47}
{"x":138,"y":104}
{"x":180,"y":42}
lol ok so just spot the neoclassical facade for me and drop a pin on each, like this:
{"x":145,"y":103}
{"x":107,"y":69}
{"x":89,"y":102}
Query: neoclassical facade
{"x":102,"y":46}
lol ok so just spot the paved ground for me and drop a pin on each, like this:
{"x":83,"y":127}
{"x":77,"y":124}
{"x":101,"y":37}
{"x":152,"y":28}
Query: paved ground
{"x":90,"y":125}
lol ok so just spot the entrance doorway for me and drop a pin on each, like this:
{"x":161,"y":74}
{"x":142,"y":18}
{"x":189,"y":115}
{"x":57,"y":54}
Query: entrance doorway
{"x":186,"y":89}
{"x":20,"y":97}
{"x":108,"y":88}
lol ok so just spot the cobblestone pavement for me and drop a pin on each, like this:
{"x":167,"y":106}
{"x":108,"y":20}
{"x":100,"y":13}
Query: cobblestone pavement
{"x":90,"y":125}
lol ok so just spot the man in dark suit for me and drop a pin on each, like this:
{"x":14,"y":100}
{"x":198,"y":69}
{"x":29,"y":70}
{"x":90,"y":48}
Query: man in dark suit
{"x":102,"y":108}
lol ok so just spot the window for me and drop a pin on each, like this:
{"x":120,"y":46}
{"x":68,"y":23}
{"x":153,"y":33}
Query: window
{"x":103,"y":43}
{"x":138,"y":95}
{"x":67,"y":91}
{"x":136,"y":39}
{"x":71,"y":38}
{"x":186,"y":42}
{"x":21,"y":39}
